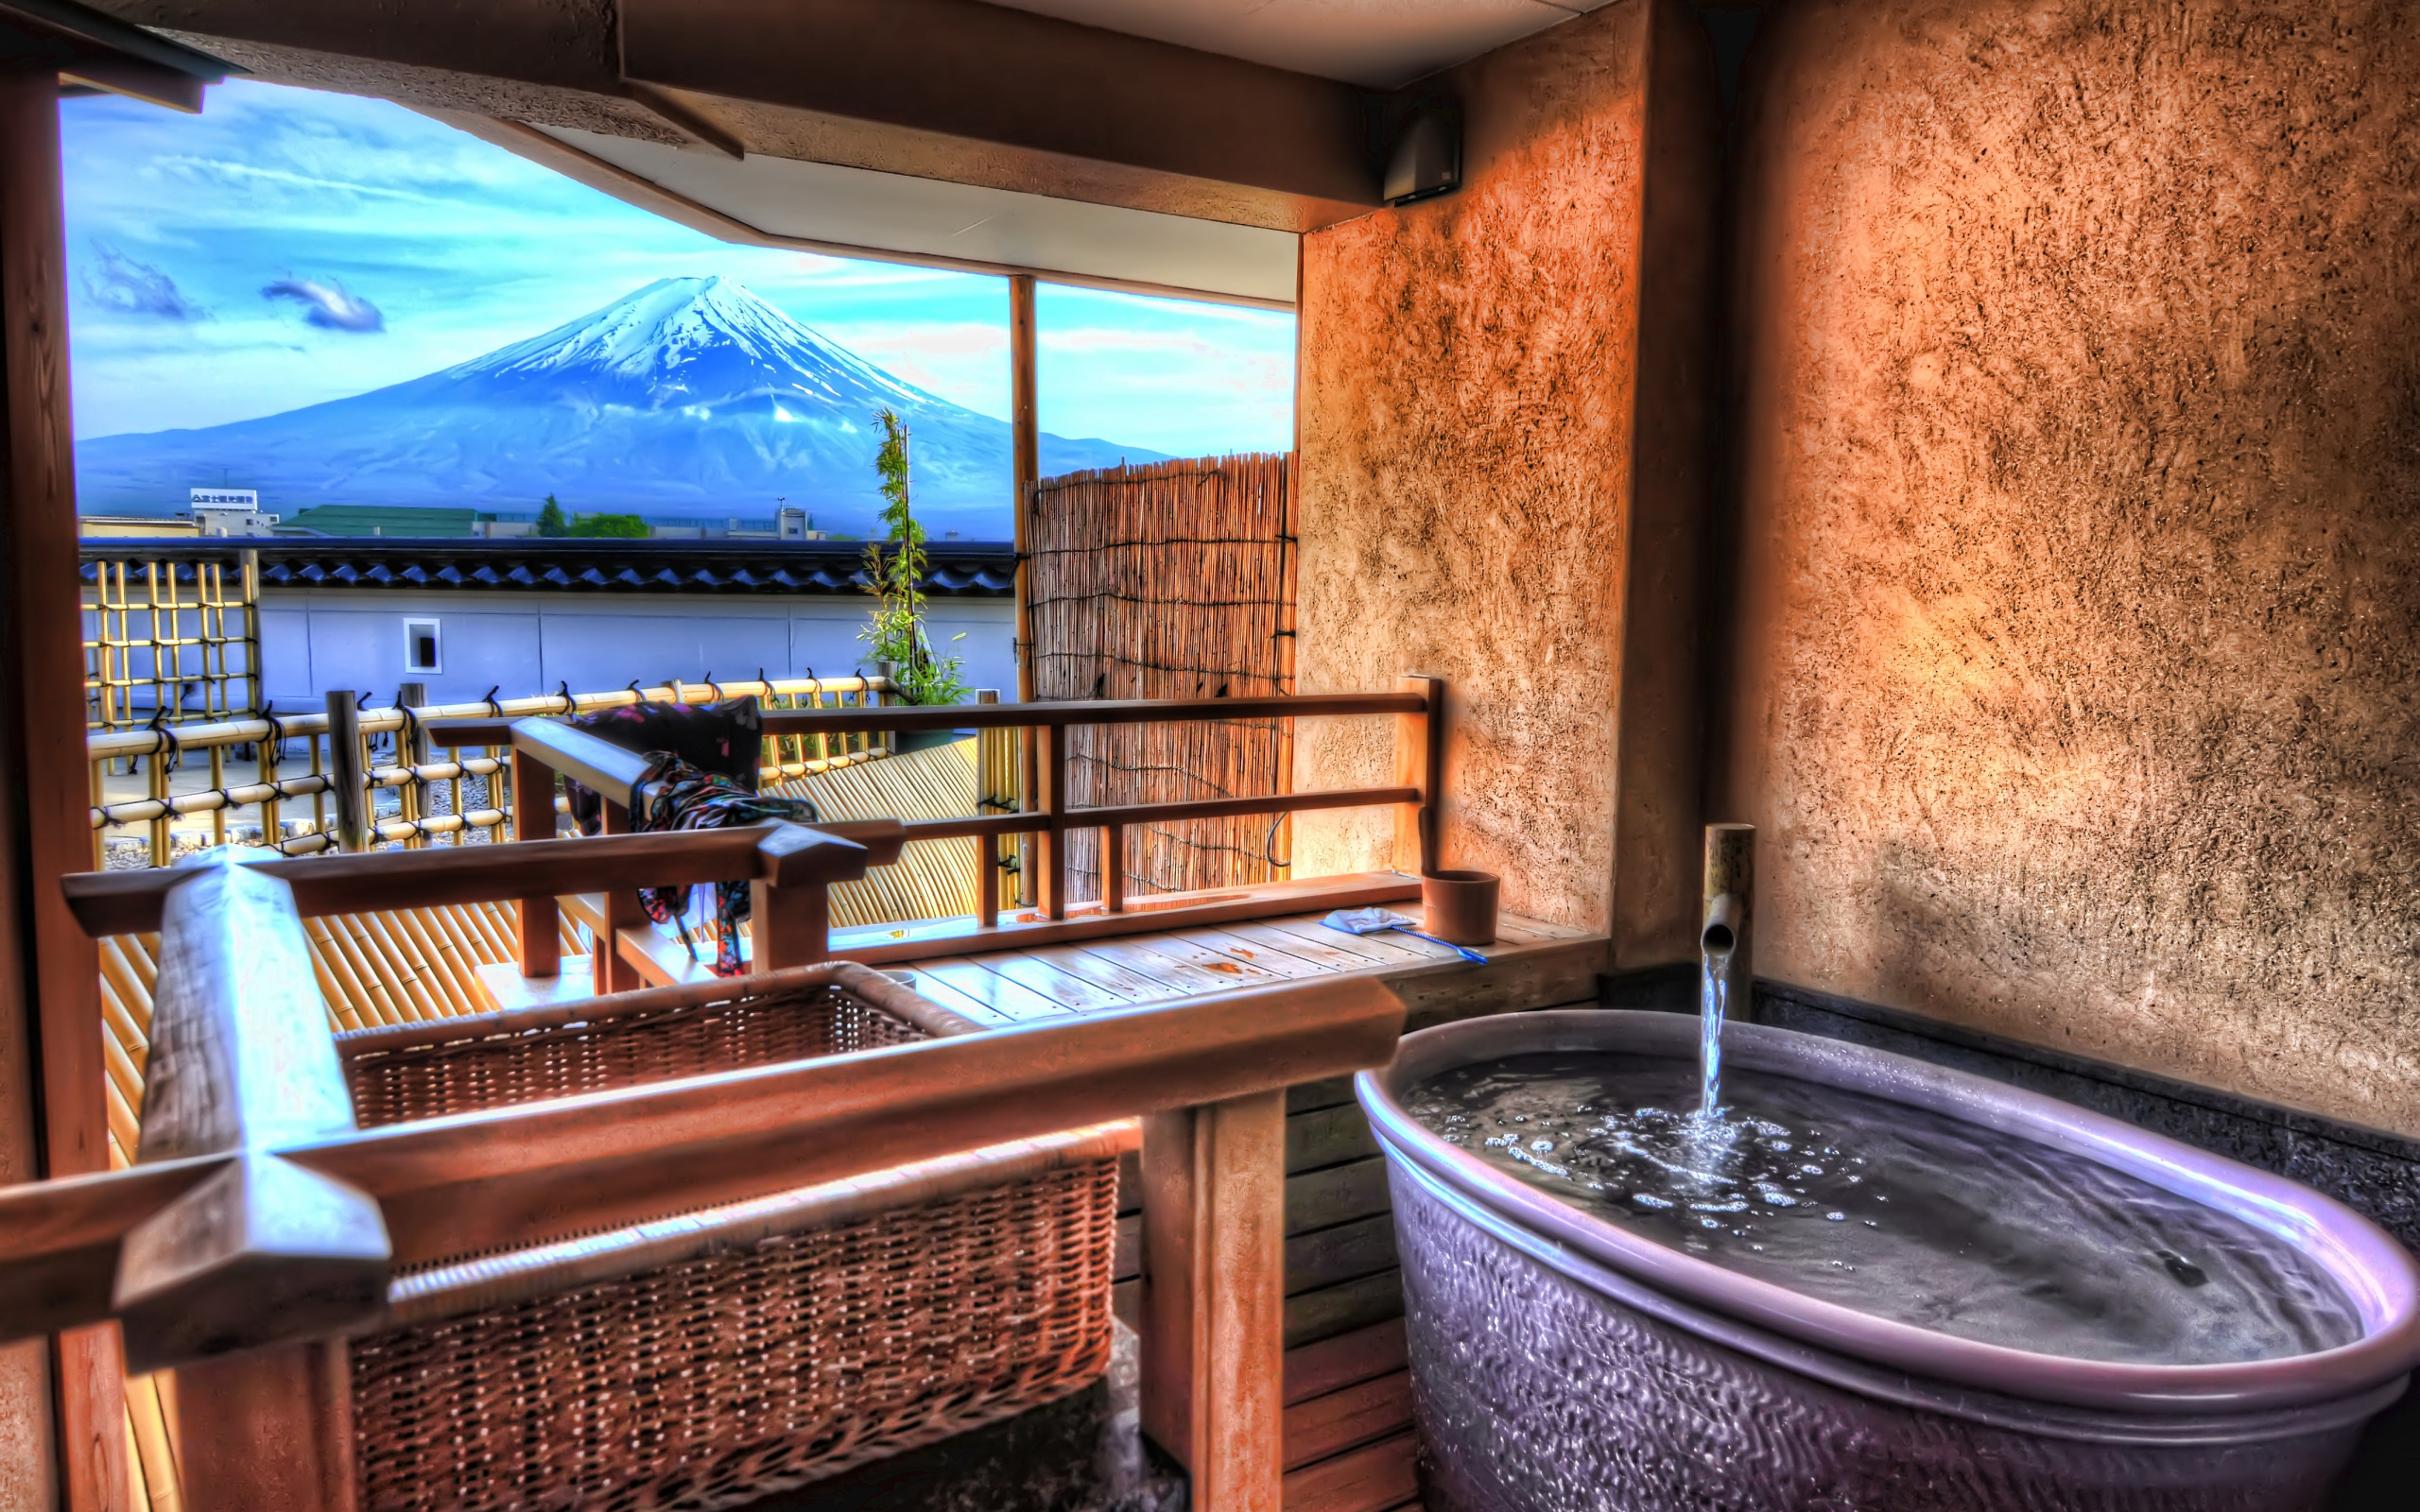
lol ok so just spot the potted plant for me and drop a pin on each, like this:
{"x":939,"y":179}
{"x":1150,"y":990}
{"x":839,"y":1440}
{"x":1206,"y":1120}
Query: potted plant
{"x":896,"y":629}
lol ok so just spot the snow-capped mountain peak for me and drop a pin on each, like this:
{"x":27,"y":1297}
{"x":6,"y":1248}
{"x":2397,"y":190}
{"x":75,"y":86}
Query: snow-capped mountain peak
{"x":687,"y":342}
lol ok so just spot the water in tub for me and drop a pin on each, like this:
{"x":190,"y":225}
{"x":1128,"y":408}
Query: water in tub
{"x":1893,"y":1210}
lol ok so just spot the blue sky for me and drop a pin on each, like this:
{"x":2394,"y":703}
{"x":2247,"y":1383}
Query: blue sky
{"x":290,"y":247}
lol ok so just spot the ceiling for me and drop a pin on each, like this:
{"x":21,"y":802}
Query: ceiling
{"x":764,"y":187}
{"x":1377,"y":42}
{"x":934,"y":221}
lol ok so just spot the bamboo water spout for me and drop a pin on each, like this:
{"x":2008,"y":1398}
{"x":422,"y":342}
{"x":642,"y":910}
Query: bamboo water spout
{"x":1725,"y":946}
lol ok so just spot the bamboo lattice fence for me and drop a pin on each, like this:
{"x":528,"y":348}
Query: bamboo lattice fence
{"x":1170,"y":580}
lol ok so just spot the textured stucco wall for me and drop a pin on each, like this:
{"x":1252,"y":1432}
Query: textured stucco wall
{"x":1468,"y":394}
{"x":2077,"y":669}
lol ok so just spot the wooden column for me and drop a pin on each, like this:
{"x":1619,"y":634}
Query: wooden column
{"x":610,"y":972}
{"x":1025,"y":439}
{"x":49,"y":972}
{"x":1050,"y":851}
{"x":1214,"y":1297}
{"x":537,"y":921}
{"x":988,"y":783}
{"x":1420,"y":761}
{"x":346,"y":778}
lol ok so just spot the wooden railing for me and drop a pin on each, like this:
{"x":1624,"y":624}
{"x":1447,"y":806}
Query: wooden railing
{"x":542,"y":748}
{"x":258,"y":1221}
{"x":348,"y":755}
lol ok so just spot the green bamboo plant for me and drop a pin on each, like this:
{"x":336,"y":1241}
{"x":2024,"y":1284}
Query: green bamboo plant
{"x":896,"y":578}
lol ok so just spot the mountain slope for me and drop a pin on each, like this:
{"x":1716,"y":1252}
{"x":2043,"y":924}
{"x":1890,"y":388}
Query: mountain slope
{"x":687,"y":397}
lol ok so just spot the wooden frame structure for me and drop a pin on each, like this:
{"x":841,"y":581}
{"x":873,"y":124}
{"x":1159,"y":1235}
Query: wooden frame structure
{"x":258,"y":1226}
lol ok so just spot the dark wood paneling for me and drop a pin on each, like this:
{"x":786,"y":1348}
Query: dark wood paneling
{"x":1313,"y":1095}
{"x":1329,"y":1137}
{"x":1321,"y":1199}
{"x":1370,"y":1479}
{"x":1327,"y":1426}
{"x":1324,"y":1314}
{"x":1325,"y":1257}
{"x":1332,"y":1365}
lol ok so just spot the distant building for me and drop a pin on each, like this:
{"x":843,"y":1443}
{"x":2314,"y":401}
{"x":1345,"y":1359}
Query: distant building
{"x":229,"y":512}
{"x":353,"y":522}
{"x":148,"y":526}
{"x":529,"y":615}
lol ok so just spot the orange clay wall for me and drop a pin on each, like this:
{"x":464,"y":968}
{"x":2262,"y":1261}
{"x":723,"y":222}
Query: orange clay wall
{"x":2075,"y":654}
{"x":1501,"y":479}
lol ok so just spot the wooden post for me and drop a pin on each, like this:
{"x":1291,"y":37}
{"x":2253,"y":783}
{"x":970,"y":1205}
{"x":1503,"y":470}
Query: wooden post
{"x":1214,"y":1297}
{"x":789,"y":901}
{"x":241,"y":1061}
{"x":1420,"y":761}
{"x":1289,"y":554}
{"x":412,"y":746}
{"x":537,"y":921}
{"x":988,"y":775}
{"x":50,"y":1009}
{"x":345,"y":773}
{"x":1113,"y":867}
{"x":411,"y":749}
{"x":1051,"y":852}
{"x":622,"y":911}
{"x":261,"y":1248}
{"x":1025,"y":444}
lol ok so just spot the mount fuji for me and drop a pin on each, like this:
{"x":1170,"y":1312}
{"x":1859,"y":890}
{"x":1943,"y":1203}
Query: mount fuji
{"x":690,"y":397}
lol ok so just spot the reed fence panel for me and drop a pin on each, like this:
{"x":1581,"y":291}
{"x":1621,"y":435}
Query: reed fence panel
{"x":1170,"y":580}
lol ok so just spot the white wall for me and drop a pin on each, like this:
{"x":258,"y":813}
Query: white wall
{"x":316,"y":639}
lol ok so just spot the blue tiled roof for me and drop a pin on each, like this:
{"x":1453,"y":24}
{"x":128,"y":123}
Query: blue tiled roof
{"x":977,"y":569}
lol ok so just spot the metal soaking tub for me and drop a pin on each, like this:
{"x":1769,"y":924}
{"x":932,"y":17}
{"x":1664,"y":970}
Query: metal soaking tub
{"x":1561,"y":1362}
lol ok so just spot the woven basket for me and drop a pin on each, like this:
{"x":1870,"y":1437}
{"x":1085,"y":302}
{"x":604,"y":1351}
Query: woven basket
{"x":707,"y":1359}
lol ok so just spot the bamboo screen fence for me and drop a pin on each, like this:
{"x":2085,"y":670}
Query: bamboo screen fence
{"x":1170,"y":580}
{"x":170,"y":640}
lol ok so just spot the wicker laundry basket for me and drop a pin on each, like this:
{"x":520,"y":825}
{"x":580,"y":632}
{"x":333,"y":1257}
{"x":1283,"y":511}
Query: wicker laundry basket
{"x":707,"y":1359}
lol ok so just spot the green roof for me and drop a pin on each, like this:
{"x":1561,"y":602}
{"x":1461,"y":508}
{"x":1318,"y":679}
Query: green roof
{"x":381,"y":520}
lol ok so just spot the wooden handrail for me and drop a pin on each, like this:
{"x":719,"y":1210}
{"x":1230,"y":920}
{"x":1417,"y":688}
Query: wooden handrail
{"x":1049,"y":713}
{"x":520,"y":1174}
{"x":1062,"y":714}
{"x":130,"y":902}
{"x":258,"y":1251}
{"x":604,"y":768}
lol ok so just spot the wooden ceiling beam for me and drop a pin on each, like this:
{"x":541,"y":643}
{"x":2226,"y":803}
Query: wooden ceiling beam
{"x":952,"y":90}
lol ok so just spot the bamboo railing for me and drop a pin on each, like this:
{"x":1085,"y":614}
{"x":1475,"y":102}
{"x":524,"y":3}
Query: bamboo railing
{"x":156,"y":630}
{"x":349,"y":754}
{"x":259,"y":1224}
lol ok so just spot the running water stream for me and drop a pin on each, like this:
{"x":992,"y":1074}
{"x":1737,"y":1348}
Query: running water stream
{"x":1713,"y":991}
{"x":1712,"y":1005}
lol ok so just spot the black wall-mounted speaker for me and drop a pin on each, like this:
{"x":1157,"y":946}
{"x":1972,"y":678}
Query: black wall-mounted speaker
{"x":1426,"y":160}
